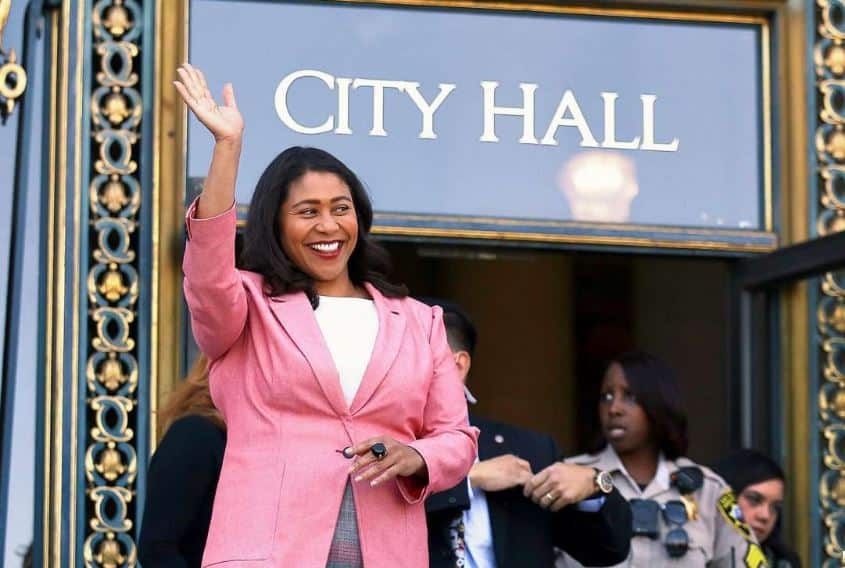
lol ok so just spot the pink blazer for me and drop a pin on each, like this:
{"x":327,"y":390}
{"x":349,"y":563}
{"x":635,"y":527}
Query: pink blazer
{"x":274,"y":381}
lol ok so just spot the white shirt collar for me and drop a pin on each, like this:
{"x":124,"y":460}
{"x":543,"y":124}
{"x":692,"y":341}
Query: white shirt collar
{"x":661,"y":478}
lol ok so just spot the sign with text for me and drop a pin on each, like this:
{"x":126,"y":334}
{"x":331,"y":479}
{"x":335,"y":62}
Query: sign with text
{"x":502,"y":115}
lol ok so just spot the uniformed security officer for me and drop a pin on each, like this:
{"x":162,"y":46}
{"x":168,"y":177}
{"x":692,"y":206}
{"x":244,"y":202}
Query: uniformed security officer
{"x":683,"y":514}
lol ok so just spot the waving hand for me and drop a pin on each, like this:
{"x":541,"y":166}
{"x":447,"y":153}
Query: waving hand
{"x":223,"y":121}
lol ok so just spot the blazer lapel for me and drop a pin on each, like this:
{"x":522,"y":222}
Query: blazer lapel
{"x":391,"y":331}
{"x":296,"y":316}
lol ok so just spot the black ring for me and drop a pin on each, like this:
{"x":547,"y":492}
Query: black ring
{"x":378,"y":450}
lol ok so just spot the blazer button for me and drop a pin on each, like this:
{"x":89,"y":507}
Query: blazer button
{"x":452,"y":500}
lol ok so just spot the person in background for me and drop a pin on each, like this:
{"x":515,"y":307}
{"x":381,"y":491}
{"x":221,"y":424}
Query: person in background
{"x":183,"y":476}
{"x":683,"y":514}
{"x":760,"y":484}
{"x":519,"y":500}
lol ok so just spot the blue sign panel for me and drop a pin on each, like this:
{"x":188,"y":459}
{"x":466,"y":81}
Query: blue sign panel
{"x":479,"y":116}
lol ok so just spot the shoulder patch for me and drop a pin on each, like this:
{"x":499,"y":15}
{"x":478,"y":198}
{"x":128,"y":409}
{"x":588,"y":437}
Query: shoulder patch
{"x":754,"y":556}
{"x":730,"y":510}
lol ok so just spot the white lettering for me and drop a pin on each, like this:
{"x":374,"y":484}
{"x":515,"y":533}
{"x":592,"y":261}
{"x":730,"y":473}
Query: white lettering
{"x":648,"y":128}
{"x":568,"y":103}
{"x":343,"y":106}
{"x":568,"y":112}
{"x":526,"y":111}
{"x":428,"y":110}
{"x":378,"y":100}
{"x":610,"y":140}
{"x":281,"y":101}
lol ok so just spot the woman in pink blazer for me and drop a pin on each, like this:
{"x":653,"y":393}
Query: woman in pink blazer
{"x":316,"y":359}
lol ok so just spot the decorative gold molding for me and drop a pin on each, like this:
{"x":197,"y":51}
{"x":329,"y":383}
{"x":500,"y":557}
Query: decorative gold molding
{"x":795,"y":332}
{"x":113,"y":287}
{"x":647,"y":11}
{"x":50,"y":549}
{"x":829,"y":59}
{"x":169,"y":177}
{"x":606,"y":240}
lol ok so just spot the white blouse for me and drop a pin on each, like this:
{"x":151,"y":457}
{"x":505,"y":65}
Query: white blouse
{"x":349,"y":327}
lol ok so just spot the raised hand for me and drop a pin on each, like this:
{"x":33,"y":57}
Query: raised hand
{"x":223,"y":121}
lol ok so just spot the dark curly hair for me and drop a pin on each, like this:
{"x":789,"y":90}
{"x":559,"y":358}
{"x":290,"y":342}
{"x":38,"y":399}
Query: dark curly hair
{"x":262,"y":251}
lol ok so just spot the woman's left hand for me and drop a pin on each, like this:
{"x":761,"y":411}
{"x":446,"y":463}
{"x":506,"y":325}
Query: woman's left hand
{"x":400,"y":460}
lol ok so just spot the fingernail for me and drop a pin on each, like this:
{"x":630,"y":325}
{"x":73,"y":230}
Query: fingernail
{"x":359,"y":478}
{"x":373,"y":483}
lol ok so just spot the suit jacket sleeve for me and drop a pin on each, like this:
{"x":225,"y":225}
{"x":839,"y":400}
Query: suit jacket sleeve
{"x":182,"y":478}
{"x":602,"y":538}
{"x":447,"y":444}
{"x":452,"y":500}
{"x":213,"y":288}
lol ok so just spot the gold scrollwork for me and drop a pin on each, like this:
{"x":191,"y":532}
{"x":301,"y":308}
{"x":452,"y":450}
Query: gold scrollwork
{"x":114,"y":198}
{"x":829,"y":60}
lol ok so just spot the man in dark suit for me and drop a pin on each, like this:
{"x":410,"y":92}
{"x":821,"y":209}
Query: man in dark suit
{"x":520,"y":501}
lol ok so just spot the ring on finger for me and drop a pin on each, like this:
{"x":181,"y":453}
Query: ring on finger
{"x":550,"y":496}
{"x":378,"y":450}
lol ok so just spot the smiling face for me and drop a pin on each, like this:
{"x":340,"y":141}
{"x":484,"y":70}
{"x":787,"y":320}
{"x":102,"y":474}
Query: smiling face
{"x":761,"y":504}
{"x":319,"y":230}
{"x":624,"y":422}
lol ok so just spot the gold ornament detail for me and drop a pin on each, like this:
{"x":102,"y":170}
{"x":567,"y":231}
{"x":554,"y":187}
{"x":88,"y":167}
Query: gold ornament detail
{"x":112,"y":376}
{"x":836,"y":145}
{"x":114,"y":195}
{"x":829,"y":60}
{"x":839,"y":403}
{"x":838,"y":223}
{"x":110,"y":555}
{"x":112,"y":287}
{"x":13,"y":82}
{"x":111,"y":373}
{"x":837,"y":318}
{"x":839,"y":491}
{"x":111,"y":464}
{"x":12,"y":75}
{"x":835,"y":60}
{"x":115,"y":107}
{"x":117,"y":19}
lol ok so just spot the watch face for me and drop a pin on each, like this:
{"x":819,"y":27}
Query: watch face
{"x":605,"y":481}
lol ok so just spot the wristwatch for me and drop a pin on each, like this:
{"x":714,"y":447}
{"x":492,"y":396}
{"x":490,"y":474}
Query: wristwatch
{"x":603,"y":481}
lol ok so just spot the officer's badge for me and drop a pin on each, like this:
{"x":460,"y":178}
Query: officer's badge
{"x":691,"y":506}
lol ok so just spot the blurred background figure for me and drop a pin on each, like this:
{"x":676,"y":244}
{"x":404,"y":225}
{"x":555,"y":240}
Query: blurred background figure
{"x":519,"y":500}
{"x":760,"y":484}
{"x":183,"y":476}
{"x":683,"y":514}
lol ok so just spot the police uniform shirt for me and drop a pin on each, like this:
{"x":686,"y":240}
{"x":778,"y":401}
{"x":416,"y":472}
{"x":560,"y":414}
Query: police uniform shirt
{"x":717,"y":537}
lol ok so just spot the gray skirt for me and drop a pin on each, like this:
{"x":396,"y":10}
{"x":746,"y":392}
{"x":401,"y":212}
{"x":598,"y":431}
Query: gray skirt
{"x":345,"y":551}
